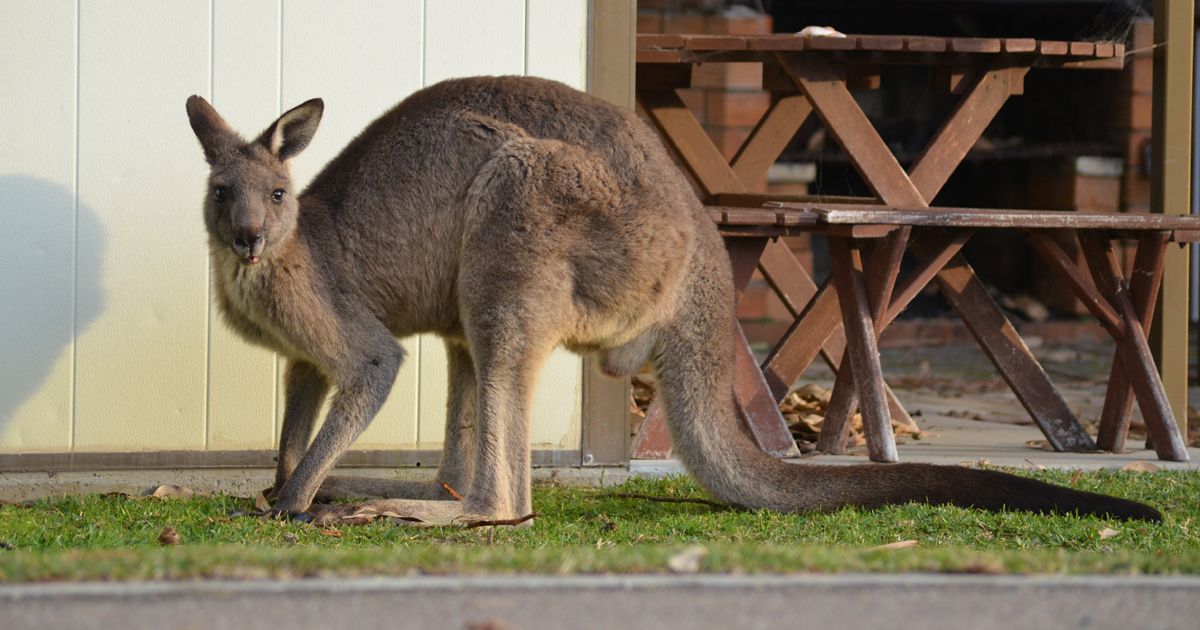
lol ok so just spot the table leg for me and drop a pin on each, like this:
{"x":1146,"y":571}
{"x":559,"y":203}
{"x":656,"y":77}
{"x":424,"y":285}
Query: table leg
{"x":1012,"y":358}
{"x":691,"y":143}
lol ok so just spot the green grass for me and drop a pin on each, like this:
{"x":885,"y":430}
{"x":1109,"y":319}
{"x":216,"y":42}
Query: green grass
{"x":587,"y":530}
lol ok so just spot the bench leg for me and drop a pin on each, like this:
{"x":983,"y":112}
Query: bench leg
{"x":861,"y":349}
{"x":1134,"y":352}
{"x":1143,"y":289}
{"x":796,"y":289}
{"x":880,"y":281}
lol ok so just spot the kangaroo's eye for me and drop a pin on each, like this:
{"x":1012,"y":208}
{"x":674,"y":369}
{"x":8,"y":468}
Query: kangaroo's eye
{"x":277,"y":196}
{"x":220,"y":193}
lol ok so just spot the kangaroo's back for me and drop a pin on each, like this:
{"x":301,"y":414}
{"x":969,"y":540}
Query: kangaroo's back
{"x":424,"y":132}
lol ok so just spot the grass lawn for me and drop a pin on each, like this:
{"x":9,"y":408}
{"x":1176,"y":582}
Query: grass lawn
{"x":588,"y":530}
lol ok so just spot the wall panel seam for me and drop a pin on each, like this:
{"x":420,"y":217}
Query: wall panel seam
{"x":208,"y":337}
{"x":75,"y":238}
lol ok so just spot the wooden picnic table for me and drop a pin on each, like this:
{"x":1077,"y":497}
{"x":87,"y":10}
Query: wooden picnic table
{"x":842,"y":320}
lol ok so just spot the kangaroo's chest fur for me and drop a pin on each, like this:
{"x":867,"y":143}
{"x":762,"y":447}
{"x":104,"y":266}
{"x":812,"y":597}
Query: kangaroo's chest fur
{"x":249,"y":298}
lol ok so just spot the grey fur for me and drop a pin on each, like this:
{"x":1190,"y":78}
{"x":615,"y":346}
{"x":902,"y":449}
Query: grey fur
{"x":508,"y":215}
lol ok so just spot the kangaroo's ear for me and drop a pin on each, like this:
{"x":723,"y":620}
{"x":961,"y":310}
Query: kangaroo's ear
{"x":214,"y":133}
{"x":288,"y":136}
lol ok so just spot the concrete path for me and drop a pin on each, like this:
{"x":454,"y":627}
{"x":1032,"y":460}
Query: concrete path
{"x":844,"y":602}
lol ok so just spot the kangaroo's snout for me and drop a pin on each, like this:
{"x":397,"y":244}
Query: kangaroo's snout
{"x":248,"y":243}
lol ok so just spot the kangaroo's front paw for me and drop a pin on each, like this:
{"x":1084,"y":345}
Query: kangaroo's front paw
{"x":288,"y":503}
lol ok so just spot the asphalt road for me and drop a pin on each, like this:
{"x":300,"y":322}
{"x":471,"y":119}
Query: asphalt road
{"x":624,"y":602}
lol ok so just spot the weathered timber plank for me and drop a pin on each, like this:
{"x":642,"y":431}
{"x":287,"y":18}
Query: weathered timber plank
{"x":850,"y":126}
{"x":837,"y":214}
{"x":925,"y":44}
{"x":1019,"y":44}
{"x":758,"y":409}
{"x":714,"y":42}
{"x":975,"y":44}
{"x":881,"y":42}
{"x":1083,"y":287}
{"x":802,"y":342}
{"x":1144,"y":286}
{"x":770,"y":137}
{"x":862,"y":350}
{"x":963,"y":128}
{"x":659,"y":40}
{"x":1008,"y":352}
{"x":880,"y":280}
{"x":688,"y":139}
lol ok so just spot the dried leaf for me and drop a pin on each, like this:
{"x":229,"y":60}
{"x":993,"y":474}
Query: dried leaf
{"x":453,"y":493}
{"x":168,"y":491}
{"x":169,"y":536}
{"x":331,"y":532}
{"x":261,"y":503}
{"x":1107,"y":533}
{"x":815,"y":392}
{"x":688,"y":560}
{"x":1141,"y":466}
{"x":899,"y":544}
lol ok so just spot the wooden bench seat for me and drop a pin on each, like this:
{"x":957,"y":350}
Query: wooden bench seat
{"x":871,"y":295}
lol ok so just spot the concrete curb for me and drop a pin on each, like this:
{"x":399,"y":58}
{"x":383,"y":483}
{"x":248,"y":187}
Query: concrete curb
{"x":701,"y":601}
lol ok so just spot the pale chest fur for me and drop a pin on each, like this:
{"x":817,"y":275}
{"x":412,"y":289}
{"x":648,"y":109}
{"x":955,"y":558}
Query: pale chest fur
{"x":248,"y":302}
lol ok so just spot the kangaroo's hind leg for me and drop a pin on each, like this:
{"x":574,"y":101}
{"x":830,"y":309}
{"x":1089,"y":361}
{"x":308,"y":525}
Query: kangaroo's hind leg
{"x":507,"y":369}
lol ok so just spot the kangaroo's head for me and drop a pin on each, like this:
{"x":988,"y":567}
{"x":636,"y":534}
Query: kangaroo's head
{"x":251,"y":204}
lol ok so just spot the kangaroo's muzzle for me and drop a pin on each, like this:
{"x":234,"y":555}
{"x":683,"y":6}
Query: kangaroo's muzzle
{"x":248,"y":244}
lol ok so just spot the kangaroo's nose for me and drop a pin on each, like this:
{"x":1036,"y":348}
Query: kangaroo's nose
{"x":248,"y":243}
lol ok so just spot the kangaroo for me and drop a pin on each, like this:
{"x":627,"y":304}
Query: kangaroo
{"x":509,"y":215}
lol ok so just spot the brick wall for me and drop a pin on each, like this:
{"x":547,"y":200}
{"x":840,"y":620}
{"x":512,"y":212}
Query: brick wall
{"x":728,"y":100}
{"x":1134,"y":116}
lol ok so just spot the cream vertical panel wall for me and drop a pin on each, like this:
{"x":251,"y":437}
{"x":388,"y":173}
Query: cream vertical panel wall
{"x":242,"y":379}
{"x":38,"y":219}
{"x":108,"y":337}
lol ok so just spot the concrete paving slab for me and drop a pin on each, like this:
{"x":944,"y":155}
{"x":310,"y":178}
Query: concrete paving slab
{"x":660,"y":602}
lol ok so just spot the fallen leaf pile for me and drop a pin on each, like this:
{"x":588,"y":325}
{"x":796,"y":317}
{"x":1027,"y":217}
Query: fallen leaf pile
{"x":804,"y":411}
{"x":641,"y":392}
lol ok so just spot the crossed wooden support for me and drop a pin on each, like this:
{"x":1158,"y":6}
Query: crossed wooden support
{"x":863,"y":295}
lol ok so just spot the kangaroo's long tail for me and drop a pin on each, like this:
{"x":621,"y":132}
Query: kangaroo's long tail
{"x":692,"y":360}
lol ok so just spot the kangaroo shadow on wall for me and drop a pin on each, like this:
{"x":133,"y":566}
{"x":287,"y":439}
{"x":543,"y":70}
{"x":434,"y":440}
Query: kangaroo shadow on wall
{"x":48,"y":297}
